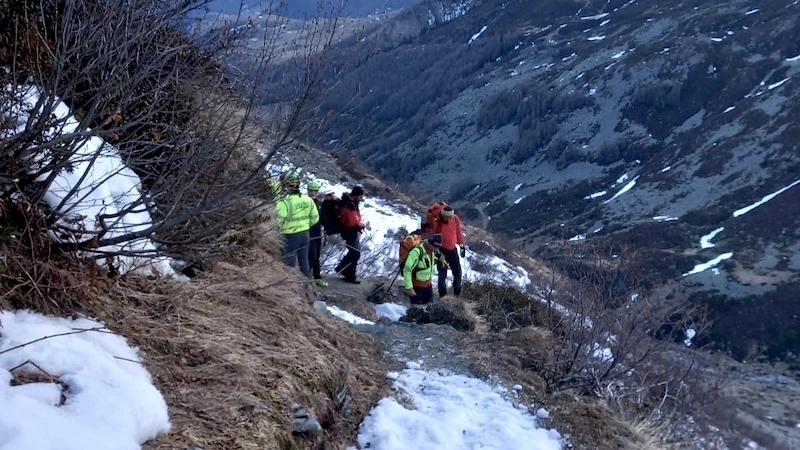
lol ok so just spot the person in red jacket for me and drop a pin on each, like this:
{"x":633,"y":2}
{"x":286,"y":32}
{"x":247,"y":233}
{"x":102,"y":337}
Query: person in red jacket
{"x":449,"y":226}
{"x":352,"y":225}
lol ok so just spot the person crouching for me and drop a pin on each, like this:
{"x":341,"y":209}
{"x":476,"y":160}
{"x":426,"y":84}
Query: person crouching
{"x":419,"y":268}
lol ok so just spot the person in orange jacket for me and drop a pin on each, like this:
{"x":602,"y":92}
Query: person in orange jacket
{"x":449,"y":226}
{"x":352,"y":225}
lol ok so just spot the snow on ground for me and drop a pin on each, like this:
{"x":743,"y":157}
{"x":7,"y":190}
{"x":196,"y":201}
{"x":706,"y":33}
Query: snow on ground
{"x":451,"y":412}
{"x":110,"y":402}
{"x":708,"y":265}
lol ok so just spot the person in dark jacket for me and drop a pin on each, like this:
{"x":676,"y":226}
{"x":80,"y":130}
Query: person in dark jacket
{"x":315,"y":233}
{"x":352,"y":225}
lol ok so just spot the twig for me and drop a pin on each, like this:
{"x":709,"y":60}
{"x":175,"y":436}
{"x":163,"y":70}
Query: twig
{"x":128,"y":359}
{"x":34,"y":365}
{"x":101,"y":329}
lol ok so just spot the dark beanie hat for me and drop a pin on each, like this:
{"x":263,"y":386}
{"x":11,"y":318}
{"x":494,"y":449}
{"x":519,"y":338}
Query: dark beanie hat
{"x":357,"y":190}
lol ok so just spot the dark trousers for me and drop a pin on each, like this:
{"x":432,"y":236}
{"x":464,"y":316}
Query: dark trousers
{"x":424,"y":295}
{"x":295,"y":249}
{"x":451,"y":256}
{"x":314,"y":251}
{"x":347,"y":266}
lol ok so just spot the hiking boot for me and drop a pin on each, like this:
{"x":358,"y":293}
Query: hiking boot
{"x":321,"y":283}
{"x":352,"y":280}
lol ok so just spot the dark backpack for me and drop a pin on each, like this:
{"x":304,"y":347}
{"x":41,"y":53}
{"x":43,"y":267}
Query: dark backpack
{"x":331,"y":214}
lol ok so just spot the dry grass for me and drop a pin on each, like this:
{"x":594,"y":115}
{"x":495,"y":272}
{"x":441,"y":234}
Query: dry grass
{"x":230,"y":350}
{"x":512,"y":356}
{"x":591,"y":424}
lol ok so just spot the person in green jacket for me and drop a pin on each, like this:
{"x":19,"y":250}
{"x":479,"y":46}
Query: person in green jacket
{"x":296,"y":214}
{"x":419,"y":269}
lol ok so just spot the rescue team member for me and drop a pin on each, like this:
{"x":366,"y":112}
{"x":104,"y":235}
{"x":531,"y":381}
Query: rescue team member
{"x":315,"y":234}
{"x":296,"y":214}
{"x":418,"y":270}
{"x":352,"y":226}
{"x":449,"y":226}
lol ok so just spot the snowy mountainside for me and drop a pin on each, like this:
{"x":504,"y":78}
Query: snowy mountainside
{"x":624,"y":126}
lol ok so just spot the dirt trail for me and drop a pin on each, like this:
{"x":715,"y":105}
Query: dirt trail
{"x":433,"y":346}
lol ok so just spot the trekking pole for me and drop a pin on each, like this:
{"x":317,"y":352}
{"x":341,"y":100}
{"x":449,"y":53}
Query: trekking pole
{"x":400,"y":269}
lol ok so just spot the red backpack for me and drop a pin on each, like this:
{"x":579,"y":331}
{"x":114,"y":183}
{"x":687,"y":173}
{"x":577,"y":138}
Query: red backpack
{"x":433,"y":213}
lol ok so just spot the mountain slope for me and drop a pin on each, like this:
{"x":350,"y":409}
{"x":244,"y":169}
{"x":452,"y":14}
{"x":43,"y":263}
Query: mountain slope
{"x":628,"y":126}
{"x":306,"y":9}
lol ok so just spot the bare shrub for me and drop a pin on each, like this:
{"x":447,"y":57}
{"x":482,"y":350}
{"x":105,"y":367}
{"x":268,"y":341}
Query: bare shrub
{"x":612,"y":338}
{"x":504,"y":307}
{"x":184,"y":124}
{"x":613,"y":326}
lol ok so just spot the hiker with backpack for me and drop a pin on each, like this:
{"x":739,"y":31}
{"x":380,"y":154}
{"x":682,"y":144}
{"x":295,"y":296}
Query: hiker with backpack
{"x":453,"y":248}
{"x":418,"y":270}
{"x":315,"y":234}
{"x":351,"y":226}
{"x":296,"y":214}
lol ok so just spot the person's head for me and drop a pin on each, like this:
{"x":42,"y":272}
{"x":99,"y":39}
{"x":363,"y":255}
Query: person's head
{"x":313,"y":189}
{"x":447,"y":214}
{"x":291,"y":181}
{"x":357,"y":193}
{"x":434,"y":242}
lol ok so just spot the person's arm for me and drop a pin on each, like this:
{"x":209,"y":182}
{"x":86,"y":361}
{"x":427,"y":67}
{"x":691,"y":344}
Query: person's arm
{"x":360,"y":225}
{"x":282,"y":212}
{"x":408,"y":270}
{"x":347,"y":218}
{"x":351,"y":219}
{"x":459,"y":233}
{"x":313,"y":216}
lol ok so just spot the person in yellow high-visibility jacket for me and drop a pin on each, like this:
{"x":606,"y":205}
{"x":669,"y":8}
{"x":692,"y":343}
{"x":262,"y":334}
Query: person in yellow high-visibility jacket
{"x":296,"y":214}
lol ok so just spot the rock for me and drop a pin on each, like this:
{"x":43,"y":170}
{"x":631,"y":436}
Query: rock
{"x":321,"y":306}
{"x":342,"y":401}
{"x":304,"y":423}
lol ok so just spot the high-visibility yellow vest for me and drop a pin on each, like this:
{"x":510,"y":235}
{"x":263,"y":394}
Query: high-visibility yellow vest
{"x":296,"y":213}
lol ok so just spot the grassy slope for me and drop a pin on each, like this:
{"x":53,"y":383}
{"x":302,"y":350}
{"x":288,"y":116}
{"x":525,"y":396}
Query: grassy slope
{"x":234,"y":348}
